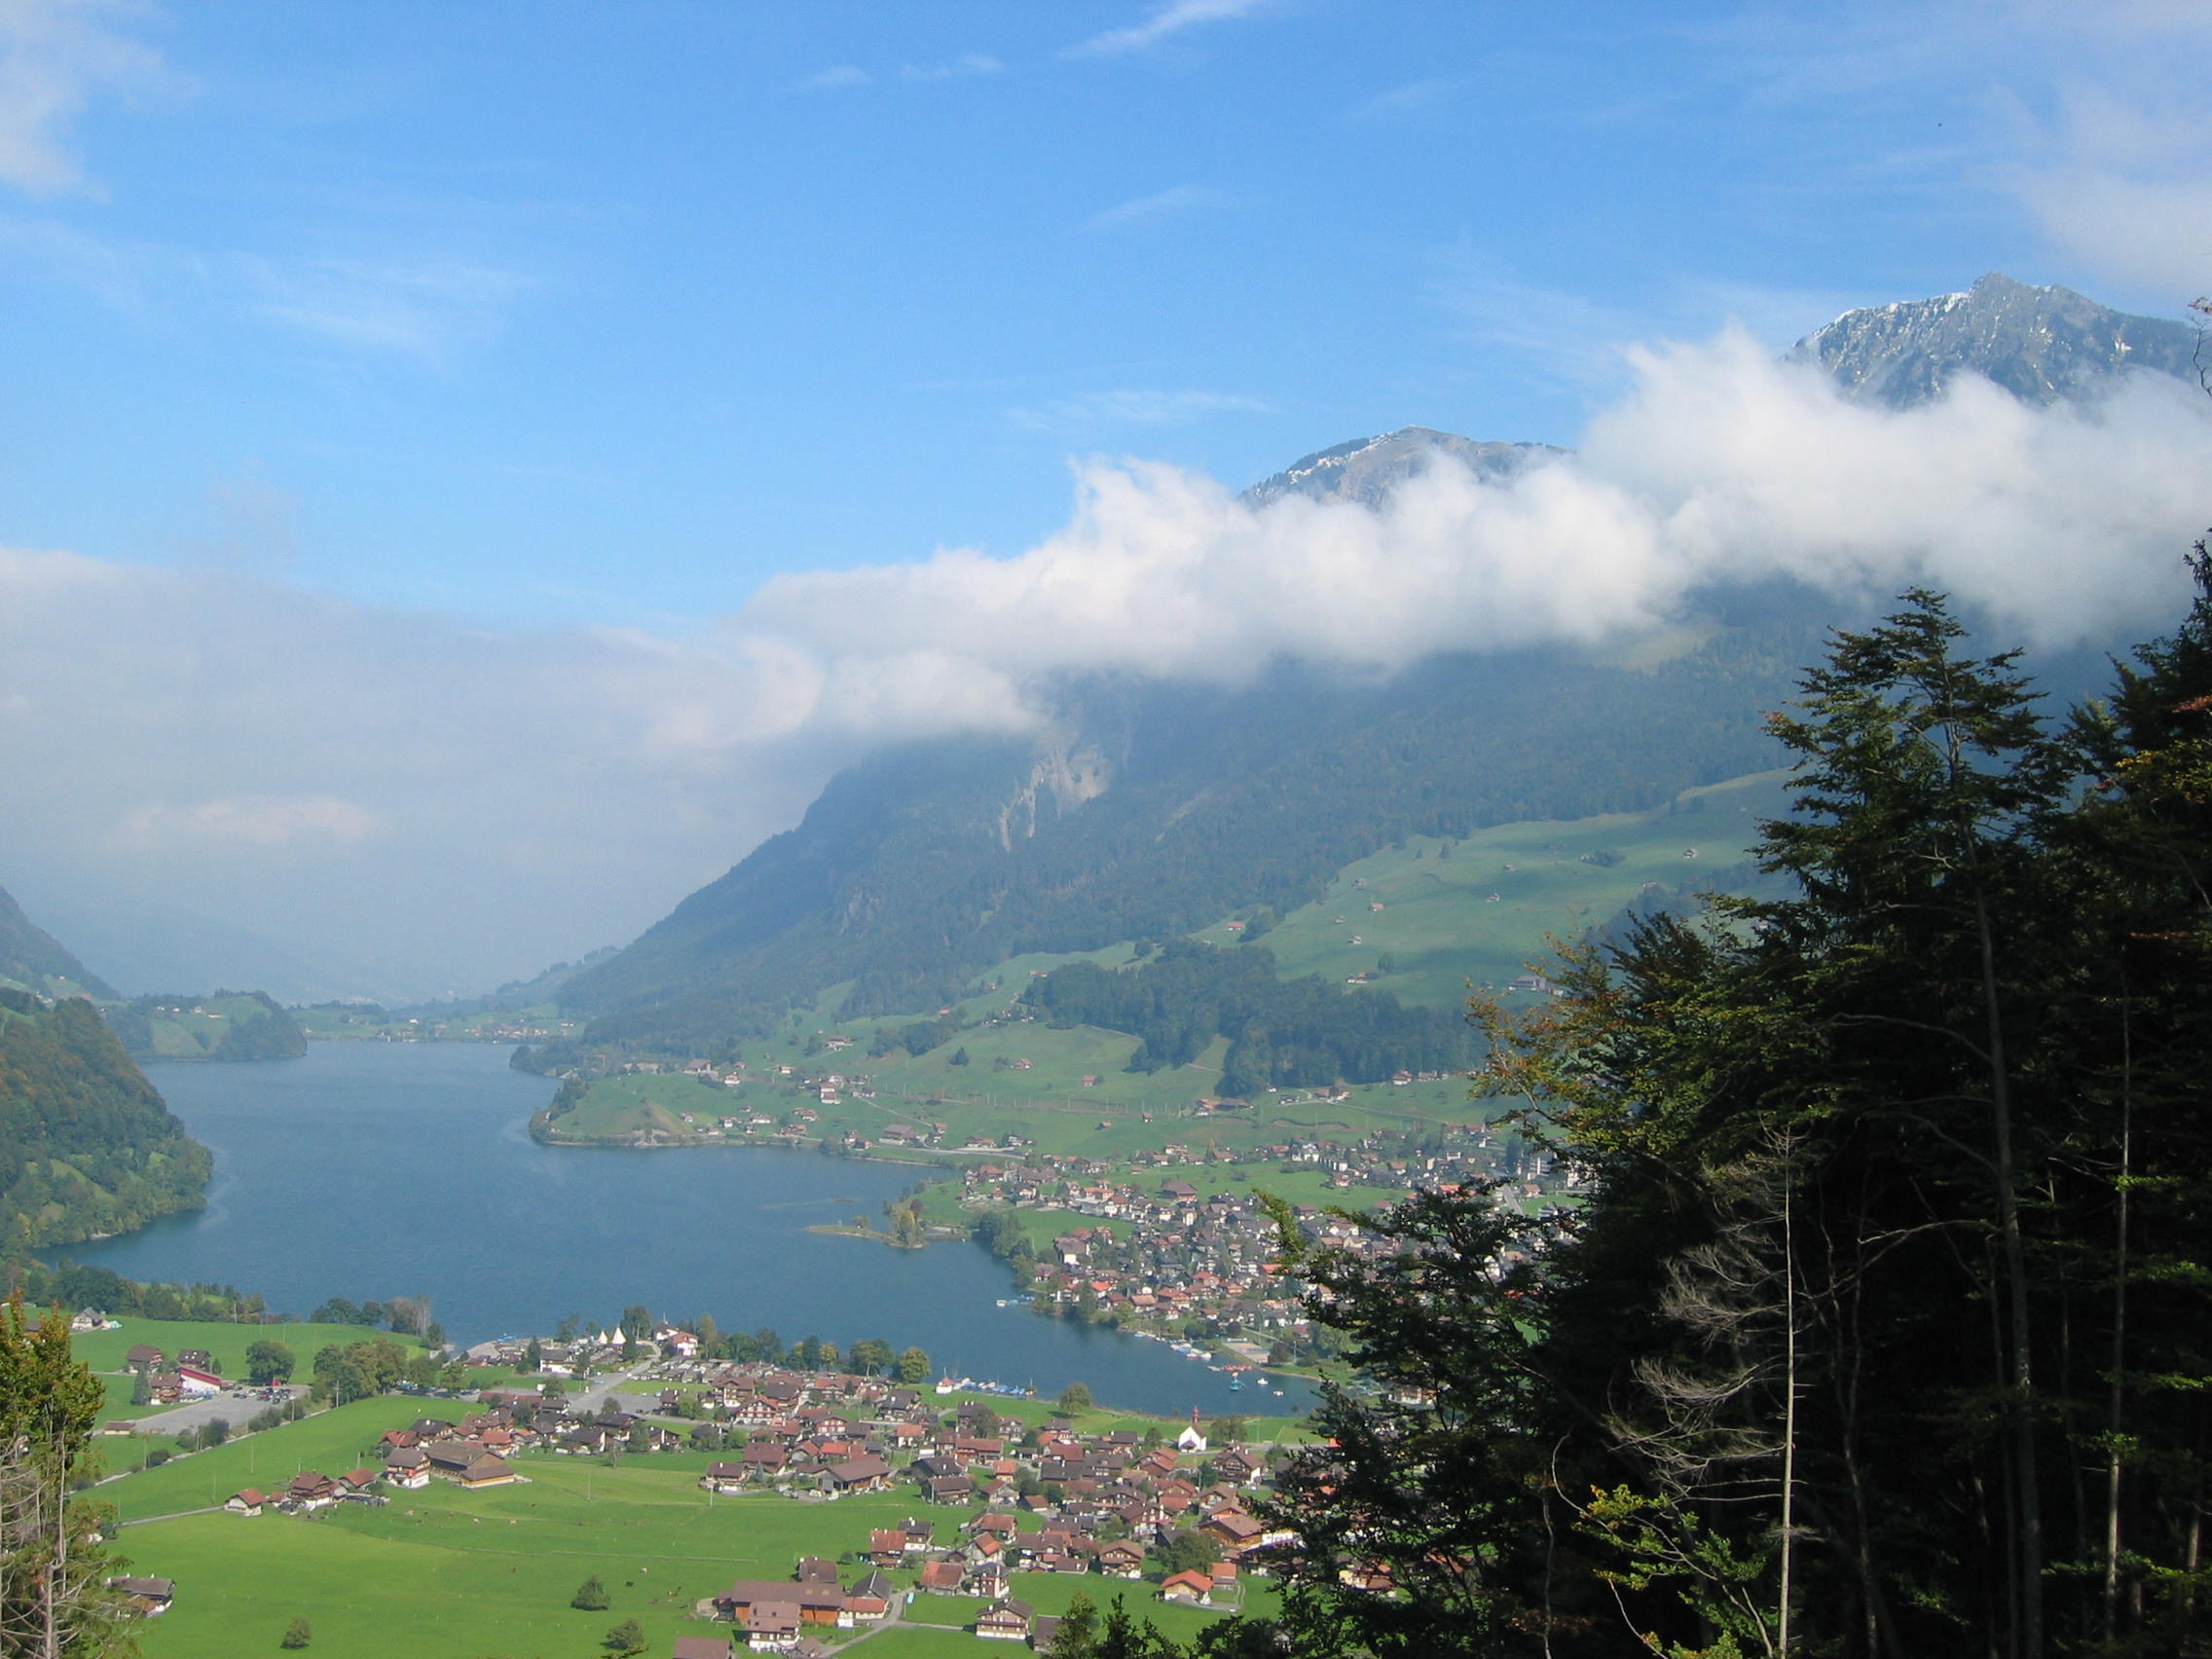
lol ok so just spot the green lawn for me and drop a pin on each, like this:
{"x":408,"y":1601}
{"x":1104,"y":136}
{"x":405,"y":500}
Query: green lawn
{"x":1440,"y":925}
{"x":447,"y":1574}
{"x":333,"y":1442}
{"x":103,"y":1351}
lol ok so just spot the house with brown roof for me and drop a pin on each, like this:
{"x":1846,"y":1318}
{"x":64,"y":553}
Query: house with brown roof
{"x":866,"y":1473}
{"x":311,"y":1491}
{"x":1235,"y":1530}
{"x":886,"y":1547}
{"x":1196,"y":1586}
{"x":811,"y":1602}
{"x":1122,"y":1560}
{"x":248,"y":1501}
{"x":487,"y":1470}
{"x":700,"y":1647}
{"x":769,"y":1625}
{"x":148,"y":1597}
{"x":1006,"y":1620}
{"x":725,"y":1478}
{"x":945,"y":1577}
{"x":407,"y":1467}
{"x":870,"y":1599}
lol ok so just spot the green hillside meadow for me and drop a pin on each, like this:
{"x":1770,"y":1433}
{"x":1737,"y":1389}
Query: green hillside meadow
{"x":1439,"y":930}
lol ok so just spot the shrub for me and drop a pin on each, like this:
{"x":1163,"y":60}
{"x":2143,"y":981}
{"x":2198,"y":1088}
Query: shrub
{"x":590,"y":1595}
{"x":298,"y":1634}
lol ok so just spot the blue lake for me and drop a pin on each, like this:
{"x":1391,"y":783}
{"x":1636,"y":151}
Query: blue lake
{"x":371,"y":1169}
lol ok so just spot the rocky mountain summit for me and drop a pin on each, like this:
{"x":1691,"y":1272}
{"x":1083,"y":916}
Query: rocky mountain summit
{"x":1367,"y":469}
{"x":2040,"y":345}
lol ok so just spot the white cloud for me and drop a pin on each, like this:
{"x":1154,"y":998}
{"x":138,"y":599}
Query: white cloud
{"x":1169,"y":18}
{"x":2128,"y":189}
{"x":1401,"y":103}
{"x":1132,"y":406}
{"x":2064,"y":523}
{"x":425,"y":309}
{"x":250,"y":821}
{"x":963,"y":67}
{"x":1172,"y":203}
{"x":56,"y":57}
{"x":426,"y":792}
{"x":836,"y":78}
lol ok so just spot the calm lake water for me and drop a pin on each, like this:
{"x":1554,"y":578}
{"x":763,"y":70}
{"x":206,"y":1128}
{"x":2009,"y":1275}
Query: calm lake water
{"x":372,"y":1169}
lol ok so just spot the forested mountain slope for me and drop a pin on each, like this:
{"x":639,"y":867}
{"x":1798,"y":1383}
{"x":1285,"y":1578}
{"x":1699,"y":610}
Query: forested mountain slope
{"x":1148,"y":809}
{"x":87,"y":1147}
{"x":33,"y":958}
{"x":1151,"y":810}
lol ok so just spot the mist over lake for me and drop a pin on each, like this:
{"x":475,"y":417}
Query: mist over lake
{"x":371,"y":1169}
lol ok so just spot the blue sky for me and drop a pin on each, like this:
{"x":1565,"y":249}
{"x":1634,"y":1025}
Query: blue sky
{"x":570,"y":311}
{"x":469,"y":472}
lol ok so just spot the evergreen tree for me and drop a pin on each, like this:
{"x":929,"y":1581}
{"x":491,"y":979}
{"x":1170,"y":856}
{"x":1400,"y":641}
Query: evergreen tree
{"x":53,"y":1562}
{"x":1882,"y":1327}
{"x":590,"y":1595}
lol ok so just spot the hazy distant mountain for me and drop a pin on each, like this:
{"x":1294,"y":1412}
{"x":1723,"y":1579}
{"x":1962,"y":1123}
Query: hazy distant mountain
{"x":1367,"y":469}
{"x":2042,"y":345}
{"x":151,"y":948}
{"x":33,"y":958}
{"x":1150,"y":809}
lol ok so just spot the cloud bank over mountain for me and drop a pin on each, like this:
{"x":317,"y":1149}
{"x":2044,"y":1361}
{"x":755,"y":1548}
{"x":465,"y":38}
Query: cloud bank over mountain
{"x":461,"y":806}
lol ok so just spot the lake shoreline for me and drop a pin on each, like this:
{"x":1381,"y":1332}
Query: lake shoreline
{"x":380,"y":1170}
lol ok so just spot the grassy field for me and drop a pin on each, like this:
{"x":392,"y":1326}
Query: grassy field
{"x":1075,"y":1120}
{"x":447,"y":1574}
{"x":332,"y":1442}
{"x":199,"y":1023}
{"x":104,"y":1351}
{"x":1440,"y":925}
{"x":347,"y":1023}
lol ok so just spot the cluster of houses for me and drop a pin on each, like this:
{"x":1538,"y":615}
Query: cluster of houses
{"x":1156,"y":1255}
{"x":1044,"y":1500}
{"x":1036,"y":1500}
{"x":195,"y":1375}
{"x":471,"y":1454}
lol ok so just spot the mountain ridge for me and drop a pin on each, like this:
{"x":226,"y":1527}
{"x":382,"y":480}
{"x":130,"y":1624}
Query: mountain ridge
{"x":2042,"y":345}
{"x":37,"y":961}
{"x":1146,"y":809}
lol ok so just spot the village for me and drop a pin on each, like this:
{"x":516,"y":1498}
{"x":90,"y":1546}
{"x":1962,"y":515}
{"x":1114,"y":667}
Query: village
{"x":1173,"y":1515}
{"x":1161,"y":1256}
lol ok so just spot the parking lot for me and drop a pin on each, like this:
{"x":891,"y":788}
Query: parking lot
{"x":234,"y":1406}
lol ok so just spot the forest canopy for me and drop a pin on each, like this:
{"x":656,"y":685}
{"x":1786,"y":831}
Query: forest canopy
{"x":86,"y":1144}
{"x":1883,"y":1325}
